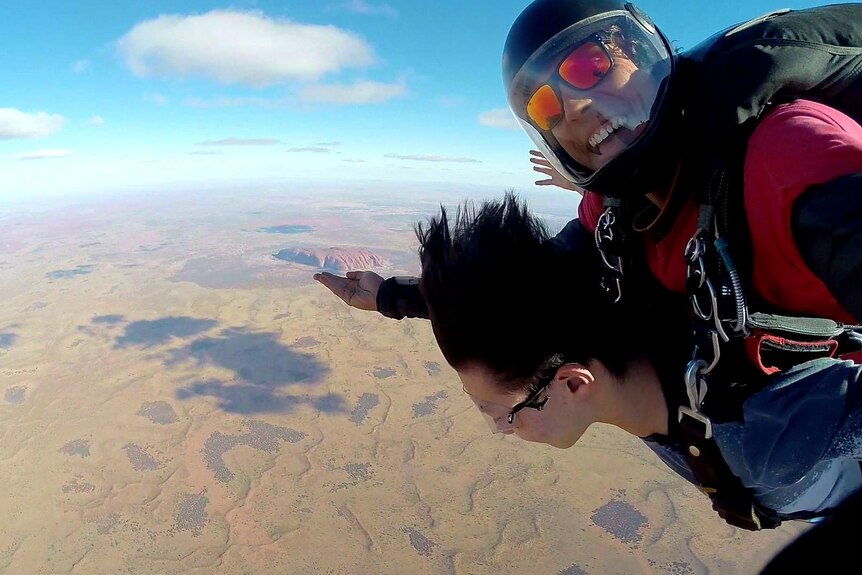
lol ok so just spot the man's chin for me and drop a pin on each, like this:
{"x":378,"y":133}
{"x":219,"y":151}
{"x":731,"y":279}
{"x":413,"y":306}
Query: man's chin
{"x":608,"y":150}
{"x":560,"y":443}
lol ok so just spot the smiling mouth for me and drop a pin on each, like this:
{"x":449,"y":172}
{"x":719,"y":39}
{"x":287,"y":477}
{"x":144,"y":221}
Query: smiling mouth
{"x":609,"y":128}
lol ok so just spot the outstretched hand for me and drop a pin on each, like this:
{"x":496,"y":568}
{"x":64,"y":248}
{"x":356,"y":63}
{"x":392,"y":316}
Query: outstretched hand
{"x":357,"y":289}
{"x":543,"y":166}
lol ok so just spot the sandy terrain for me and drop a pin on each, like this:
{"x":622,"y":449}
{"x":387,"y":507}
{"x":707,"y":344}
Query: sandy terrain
{"x":173,"y":399}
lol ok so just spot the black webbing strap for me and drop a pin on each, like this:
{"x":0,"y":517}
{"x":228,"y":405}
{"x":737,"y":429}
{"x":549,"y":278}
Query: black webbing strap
{"x":715,"y":299}
{"x":730,"y":498}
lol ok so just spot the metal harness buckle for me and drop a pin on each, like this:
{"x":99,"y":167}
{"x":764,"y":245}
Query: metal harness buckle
{"x":696,"y":387}
{"x":604,"y":238}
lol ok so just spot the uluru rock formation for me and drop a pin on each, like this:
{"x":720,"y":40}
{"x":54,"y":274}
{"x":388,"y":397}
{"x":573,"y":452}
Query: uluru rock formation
{"x":334,"y":259}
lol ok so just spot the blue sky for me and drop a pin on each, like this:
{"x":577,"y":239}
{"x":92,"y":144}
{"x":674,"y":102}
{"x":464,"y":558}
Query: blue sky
{"x":110,"y":95}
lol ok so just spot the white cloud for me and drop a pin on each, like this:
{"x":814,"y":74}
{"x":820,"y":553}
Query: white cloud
{"x":432,"y":158}
{"x":95,"y":121}
{"x":240,"y":142}
{"x":329,"y":144}
{"x":315,"y":149}
{"x":499,"y":118}
{"x":235,"y":47}
{"x":43,"y":154}
{"x":15,"y":124}
{"x":81,"y":66}
{"x":236,"y":102}
{"x":363,"y":92}
{"x":363,"y":7}
{"x":156,"y":98}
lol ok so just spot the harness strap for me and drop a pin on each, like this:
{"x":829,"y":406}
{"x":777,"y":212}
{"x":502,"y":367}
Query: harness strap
{"x":723,"y":328}
{"x":730,"y":498}
{"x":811,"y":338}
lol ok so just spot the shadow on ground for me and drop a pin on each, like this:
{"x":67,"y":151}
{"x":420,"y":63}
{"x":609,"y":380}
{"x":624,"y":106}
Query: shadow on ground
{"x":263,"y":367}
{"x":145,"y":333}
{"x":7,"y":339}
{"x":81,"y":270}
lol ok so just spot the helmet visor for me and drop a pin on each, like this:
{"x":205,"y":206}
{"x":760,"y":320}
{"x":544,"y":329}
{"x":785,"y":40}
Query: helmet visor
{"x":590,"y":92}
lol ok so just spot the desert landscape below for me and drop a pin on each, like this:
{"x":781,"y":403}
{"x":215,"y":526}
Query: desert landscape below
{"x":178,"y":396}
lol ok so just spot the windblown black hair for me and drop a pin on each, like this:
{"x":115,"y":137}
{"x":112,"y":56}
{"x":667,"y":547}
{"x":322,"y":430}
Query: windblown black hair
{"x":499,"y":295}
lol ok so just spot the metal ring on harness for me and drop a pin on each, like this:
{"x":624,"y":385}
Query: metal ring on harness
{"x":716,"y":352}
{"x":695,"y":249}
{"x":619,"y":290}
{"x":604,"y":235}
{"x":606,"y":220}
{"x":617,"y":266}
{"x":692,"y":387}
{"x":695,"y":393}
{"x":695,"y":303}
{"x":700,"y":271}
{"x":707,"y":423}
{"x":712,"y":312}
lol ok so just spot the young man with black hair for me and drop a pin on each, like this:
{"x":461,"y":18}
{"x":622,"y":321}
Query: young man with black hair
{"x":546,"y":359}
{"x":563,"y":359}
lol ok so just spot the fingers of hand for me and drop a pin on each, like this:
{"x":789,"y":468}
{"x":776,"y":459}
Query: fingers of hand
{"x":333,"y":282}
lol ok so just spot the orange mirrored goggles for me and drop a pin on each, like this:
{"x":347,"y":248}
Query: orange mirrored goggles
{"x":582,"y":69}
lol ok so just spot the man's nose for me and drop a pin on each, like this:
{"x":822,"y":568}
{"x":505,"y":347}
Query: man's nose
{"x":575,"y":108}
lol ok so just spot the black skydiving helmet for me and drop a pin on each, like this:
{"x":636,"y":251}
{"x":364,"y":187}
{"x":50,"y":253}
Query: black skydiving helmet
{"x":588,"y":96}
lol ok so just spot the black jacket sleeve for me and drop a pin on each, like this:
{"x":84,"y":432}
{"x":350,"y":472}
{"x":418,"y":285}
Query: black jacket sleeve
{"x":399,"y":297}
{"x":827,"y":228}
{"x":571,"y":238}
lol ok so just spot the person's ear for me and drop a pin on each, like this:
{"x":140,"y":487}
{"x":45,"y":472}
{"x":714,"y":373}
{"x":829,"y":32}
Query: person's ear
{"x":575,"y":376}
